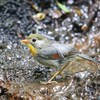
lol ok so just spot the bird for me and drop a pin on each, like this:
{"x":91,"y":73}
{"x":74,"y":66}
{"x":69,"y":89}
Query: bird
{"x":52,"y":53}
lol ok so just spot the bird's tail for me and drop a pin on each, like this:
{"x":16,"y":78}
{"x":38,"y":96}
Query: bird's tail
{"x":87,"y":57}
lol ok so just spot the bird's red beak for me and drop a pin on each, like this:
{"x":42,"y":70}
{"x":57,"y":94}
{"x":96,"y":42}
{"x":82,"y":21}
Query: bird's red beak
{"x":25,"y":41}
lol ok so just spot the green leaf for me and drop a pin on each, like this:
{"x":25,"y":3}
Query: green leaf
{"x":63,"y":7}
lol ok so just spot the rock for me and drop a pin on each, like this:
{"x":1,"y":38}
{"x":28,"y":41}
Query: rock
{"x":80,"y":65}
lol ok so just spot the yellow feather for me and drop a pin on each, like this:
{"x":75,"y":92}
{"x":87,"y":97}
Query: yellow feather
{"x":32,"y":49}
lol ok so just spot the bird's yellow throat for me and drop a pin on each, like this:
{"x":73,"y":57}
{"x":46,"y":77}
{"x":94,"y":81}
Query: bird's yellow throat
{"x":32,"y":49}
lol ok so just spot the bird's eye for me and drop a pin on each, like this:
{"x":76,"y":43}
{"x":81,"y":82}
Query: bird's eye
{"x":33,"y":40}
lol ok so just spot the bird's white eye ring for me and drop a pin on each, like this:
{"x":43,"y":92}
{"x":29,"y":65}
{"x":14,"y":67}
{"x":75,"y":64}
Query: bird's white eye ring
{"x":33,"y":40}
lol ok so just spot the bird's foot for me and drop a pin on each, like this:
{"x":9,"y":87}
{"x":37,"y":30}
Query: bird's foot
{"x":48,"y":82}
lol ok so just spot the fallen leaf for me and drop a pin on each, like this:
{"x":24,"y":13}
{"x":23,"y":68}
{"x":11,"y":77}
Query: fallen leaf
{"x":39,"y":16}
{"x":63,"y":7}
{"x":78,"y":11}
{"x":35,"y":7}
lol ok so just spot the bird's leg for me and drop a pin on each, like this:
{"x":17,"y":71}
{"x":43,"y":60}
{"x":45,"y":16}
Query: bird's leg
{"x":61,"y":74}
{"x":58,"y":72}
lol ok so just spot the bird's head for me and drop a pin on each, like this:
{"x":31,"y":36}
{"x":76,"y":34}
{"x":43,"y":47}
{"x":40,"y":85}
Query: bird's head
{"x":35,"y":40}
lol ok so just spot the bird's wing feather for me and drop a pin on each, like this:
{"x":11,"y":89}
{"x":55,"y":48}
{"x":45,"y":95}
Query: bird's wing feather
{"x":55,"y":51}
{"x":64,"y":49}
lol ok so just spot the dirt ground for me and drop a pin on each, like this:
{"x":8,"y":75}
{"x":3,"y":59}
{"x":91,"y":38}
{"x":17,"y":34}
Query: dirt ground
{"x":20,"y":74}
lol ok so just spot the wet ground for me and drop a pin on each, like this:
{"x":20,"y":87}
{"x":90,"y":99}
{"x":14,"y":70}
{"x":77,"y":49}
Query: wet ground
{"x":20,"y":74}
